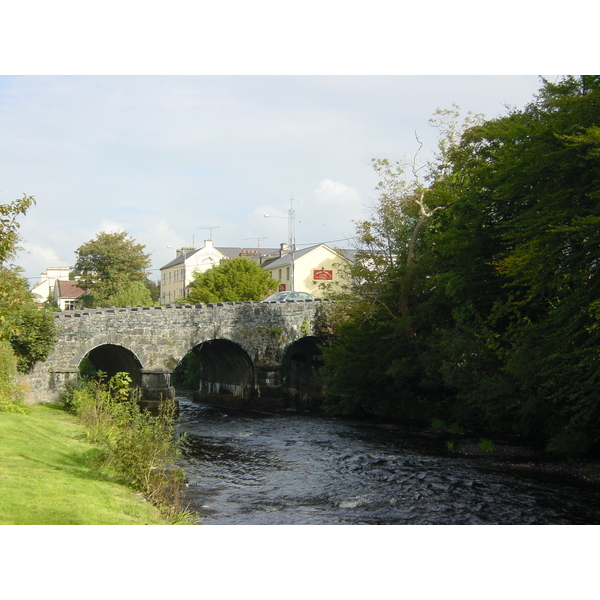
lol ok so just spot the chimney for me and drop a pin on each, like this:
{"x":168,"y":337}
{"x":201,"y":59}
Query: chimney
{"x":182,"y":251}
{"x":283,"y":249}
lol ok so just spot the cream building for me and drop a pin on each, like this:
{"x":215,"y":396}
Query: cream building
{"x":307,"y":270}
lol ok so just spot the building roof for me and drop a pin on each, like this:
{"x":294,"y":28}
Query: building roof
{"x":179,"y":260}
{"x":229,"y":252}
{"x":235,"y":252}
{"x":286,"y":259}
{"x":68,"y":289}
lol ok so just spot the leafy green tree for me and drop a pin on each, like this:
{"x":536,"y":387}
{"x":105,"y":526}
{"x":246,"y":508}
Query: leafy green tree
{"x":27,"y":334}
{"x":154,"y":289}
{"x":34,"y":336}
{"x":236,"y":280}
{"x":108,"y":266}
{"x":378,"y":361}
{"x":134,"y":293}
{"x":9,"y":226}
{"x":494,"y":319}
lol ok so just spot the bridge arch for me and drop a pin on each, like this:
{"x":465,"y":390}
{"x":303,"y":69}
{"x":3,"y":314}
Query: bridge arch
{"x":113,"y":358}
{"x":225,"y":372}
{"x":300,"y":365}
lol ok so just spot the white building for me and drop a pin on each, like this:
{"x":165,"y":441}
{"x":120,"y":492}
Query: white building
{"x":176,"y":276}
{"x":45,"y":287}
{"x":55,"y":284}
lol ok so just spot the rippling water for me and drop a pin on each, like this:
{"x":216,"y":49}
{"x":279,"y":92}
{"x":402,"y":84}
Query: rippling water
{"x":263,"y":468}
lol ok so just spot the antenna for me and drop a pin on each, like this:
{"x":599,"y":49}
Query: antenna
{"x":210,"y":229}
{"x":257,"y":240}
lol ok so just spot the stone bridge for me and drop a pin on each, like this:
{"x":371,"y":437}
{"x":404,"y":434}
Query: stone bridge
{"x":249,"y":354}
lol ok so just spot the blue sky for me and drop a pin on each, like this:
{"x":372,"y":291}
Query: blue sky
{"x":166,"y":157}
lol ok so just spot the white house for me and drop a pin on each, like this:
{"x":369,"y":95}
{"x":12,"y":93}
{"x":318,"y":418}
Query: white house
{"x":67,"y":294}
{"x":45,"y":287}
{"x":176,"y":276}
{"x":55,"y":284}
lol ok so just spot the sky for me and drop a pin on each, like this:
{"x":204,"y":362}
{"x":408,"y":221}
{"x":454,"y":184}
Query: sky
{"x":172,"y":160}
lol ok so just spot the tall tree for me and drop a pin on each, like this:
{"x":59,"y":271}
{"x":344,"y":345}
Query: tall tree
{"x":27,"y":334}
{"x":502,"y":330}
{"x":9,"y":225}
{"x":108,"y":266}
{"x":236,"y":280}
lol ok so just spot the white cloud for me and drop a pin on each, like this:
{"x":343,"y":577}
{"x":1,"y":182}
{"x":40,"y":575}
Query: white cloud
{"x":110,"y":227}
{"x":32,"y":256}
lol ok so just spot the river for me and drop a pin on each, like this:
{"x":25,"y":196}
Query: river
{"x":272,"y":468}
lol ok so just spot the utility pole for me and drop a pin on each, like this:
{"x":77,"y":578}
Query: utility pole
{"x":292,"y":236}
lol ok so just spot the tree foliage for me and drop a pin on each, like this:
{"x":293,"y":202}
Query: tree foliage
{"x":27,"y":333}
{"x":489,"y":315}
{"x":236,"y":280}
{"x":9,"y":226}
{"x":109,"y":266}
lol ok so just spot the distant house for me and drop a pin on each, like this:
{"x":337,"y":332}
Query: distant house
{"x":55,"y":284}
{"x":45,"y":288}
{"x":177,"y":275}
{"x":305,"y":270}
{"x":67,"y":295}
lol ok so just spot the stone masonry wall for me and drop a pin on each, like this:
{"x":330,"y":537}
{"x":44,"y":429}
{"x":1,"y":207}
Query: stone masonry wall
{"x":160,"y":336}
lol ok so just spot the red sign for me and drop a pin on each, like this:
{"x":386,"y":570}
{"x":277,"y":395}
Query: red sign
{"x":281,"y":287}
{"x":322,"y":275}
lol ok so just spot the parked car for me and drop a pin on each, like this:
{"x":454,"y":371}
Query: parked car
{"x":289,"y":297}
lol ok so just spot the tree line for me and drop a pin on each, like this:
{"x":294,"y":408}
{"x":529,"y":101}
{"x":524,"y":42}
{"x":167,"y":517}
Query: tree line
{"x":476,"y":289}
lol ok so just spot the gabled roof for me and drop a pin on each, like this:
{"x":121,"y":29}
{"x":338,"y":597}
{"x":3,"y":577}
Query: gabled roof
{"x":235,"y":252}
{"x":179,"y":260}
{"x":228,"y":252}
{"x":286,"y":259}
{"x":68,"y":289}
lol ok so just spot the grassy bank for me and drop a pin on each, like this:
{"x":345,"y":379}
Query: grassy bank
{"x":48,"y":476}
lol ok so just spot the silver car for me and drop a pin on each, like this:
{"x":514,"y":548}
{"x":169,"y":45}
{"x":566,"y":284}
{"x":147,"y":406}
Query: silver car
{"x":289,"y":297}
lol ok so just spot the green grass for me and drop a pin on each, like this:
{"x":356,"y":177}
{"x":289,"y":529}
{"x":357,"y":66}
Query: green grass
{"x":48,"y":476}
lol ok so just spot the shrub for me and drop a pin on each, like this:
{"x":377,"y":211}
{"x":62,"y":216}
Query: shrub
{"x":486,"y":445}
{"x":11,"y":399}
{"x":141,"y":449}
{"x":438,"y":424}
{"x":569,"y":443}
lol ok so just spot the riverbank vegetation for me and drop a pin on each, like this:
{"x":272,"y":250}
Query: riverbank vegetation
{"x":50,"y":475}
{"x":27,"y":333}
{"x":476,"y":284}
{"x":141,"y":449}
